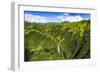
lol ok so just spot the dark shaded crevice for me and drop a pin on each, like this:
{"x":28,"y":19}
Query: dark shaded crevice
{"x":84,"y":40}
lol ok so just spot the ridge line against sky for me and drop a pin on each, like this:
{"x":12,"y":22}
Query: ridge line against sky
{"x":45,"y":17}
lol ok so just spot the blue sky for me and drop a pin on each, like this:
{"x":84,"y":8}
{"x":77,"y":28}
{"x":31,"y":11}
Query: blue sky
{"x":44,"y":17}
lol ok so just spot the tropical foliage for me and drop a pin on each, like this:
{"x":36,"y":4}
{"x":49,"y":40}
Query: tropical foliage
{"x":56,"y":41}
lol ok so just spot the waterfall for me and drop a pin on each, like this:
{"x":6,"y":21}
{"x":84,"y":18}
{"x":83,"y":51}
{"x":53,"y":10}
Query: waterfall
{"x":58,"y":47}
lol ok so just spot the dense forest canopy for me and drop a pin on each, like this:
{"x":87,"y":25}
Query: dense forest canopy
{"x":56,"y":41}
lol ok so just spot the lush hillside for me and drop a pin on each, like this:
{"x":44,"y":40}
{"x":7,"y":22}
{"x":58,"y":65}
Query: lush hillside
{"x":56,"y":41}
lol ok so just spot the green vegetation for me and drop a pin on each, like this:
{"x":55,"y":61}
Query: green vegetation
{"x":56,"y":41}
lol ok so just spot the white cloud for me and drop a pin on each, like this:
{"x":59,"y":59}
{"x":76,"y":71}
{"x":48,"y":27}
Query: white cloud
{"x":61,"y":18}
{"x":35,"y":18}
{"x":70,"y":18}
{"x":86,"y":18}
{"x":75,"y":18}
